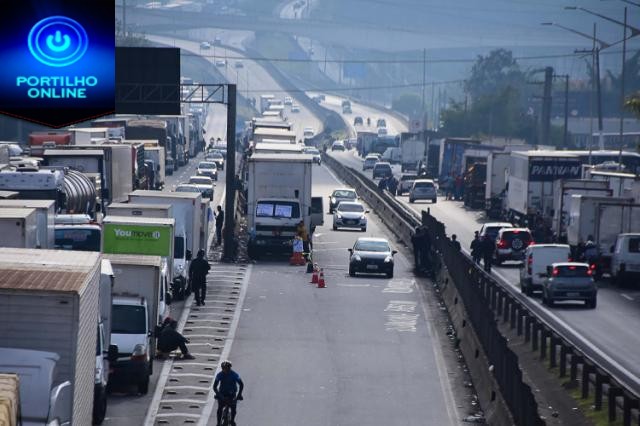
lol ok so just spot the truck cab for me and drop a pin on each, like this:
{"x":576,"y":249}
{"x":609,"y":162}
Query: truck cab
{"x":77,"y":232}
{"x":132,"y":334}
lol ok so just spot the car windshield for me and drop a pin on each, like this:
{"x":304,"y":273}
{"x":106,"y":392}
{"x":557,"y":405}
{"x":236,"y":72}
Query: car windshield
{"x":377,"y":246}
{"x":278,"y":209}
{"x":207,"y":166}
{"x":383,"y":166}
{"x":216,"y":155}
{"x":200,"y":181}
{"x":348,"y":207}
{"x":408,"y":177}
{"x":77,"y":239}
{"x":634,"y":245}
{"x":424,"y":185}
{"x":512,"y":235}
{"x":187,"y":188}
{"x":340,"y":193}
{"x":128,"y":319}
{"x":371,"y":160}
{"x":492,"y":231}
{"x":571,"y":271}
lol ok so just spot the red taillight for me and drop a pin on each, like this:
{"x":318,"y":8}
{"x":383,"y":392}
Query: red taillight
{"x":516,"y":232}
{"x":570,"y":259}
{"x":502,"y":244}
{"x":529,"y":263}
{"x":592,"y":266}
{"x":572,"y":267}
{"x":589,"y":272}
{"x":556,"y":272}
{"x":531,"y":242}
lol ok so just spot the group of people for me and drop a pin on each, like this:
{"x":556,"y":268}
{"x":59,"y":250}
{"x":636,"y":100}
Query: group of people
{"x":453,"y":187}
{"x":390,"y":183}
{"x":483,"y":248}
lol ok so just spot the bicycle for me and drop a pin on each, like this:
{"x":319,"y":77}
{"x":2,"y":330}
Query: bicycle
{"x":226,"y":420}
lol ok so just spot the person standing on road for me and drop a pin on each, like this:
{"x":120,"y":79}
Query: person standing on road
{"x":219,"y":224}
{"x":455,"y":242}
{"x":301,"y":231}
{"x":198,"y":271}
{"x":227,"y":387}
{"x":476,"y":248}
{"x":488,"y":247}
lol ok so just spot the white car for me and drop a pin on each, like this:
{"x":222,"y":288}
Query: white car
{"x":239,"y":64}
{"x":221,"y":63}
{"x":536,"y":259}
{"x":205,"y":45}
{"x":625,"y":259}
{"x":423,"y":189}
{"x":350,"y":214}
{"x":308,"y":132}
{"x":208,"y":168}
{"x":295,"y":108}
{"x":288,"y":100}
{"x":205,"y":185}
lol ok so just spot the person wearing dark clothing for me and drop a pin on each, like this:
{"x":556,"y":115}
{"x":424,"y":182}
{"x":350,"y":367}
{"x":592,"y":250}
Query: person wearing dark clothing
{"x":488,"y":247}
{"x":219,"y":224}
{"x":382,"y":184}
{"x":392,"y":185}
{"x":416,"y":241}
{"x":170,"y":339}
{"x":476,"y":248}
{"x":198,"y":275}
{"x":455,"y":242}
{"x":227,"y":387}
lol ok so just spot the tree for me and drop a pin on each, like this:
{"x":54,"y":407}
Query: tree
{"x":493,"y":73}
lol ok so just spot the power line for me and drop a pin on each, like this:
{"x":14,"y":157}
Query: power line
{"x":390,"y":61}
{"x":348,"y":89}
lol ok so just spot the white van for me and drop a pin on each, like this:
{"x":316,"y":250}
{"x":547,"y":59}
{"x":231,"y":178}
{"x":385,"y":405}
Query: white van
{"x":625,"y":259}
{"x":536,"y":259}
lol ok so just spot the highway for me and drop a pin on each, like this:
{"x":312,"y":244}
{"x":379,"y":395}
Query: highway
{"x":359,"y":352}
{"x":259,"y":80}
{"x":611,"y":329}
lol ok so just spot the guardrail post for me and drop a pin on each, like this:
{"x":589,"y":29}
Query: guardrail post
{"x":506,"y":309}
{"x":586,"y":373}
{"x":494,"y":292}
{"x":543,"y":342}
{"x":564,"y":350}
{"x":527,"y":328}
{"x":553,"y":362}
{"x":534,"y":335}
{"x":513,"y":314}
{"x":614,"y":393}
{"x":575,"y":360}
{"x":519,"y":321}
{"x":601,"y":379}
{"x":628,"y":404}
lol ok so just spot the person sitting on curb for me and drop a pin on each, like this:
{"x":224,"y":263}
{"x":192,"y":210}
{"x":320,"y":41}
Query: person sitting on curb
{"x":170,"y":339}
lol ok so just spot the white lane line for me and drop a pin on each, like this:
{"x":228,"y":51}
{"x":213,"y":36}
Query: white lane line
{"x":352,"y":285}
{"x":208,"y":408}
{"x":626,"y":296}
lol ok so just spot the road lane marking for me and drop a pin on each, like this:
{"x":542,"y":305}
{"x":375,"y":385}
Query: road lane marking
{"x":400,"y":285}
{"x":626,"y":296}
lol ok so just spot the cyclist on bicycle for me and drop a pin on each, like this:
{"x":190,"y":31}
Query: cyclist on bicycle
{"x":228,"y":388}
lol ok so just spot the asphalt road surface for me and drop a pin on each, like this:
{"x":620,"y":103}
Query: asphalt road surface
{"x":358,"y":352}
{"x":611,"y":328}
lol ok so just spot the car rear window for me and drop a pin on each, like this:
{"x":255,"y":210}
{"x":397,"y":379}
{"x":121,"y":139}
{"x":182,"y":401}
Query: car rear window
{"x":376,"y":246}
{"x":634,"y":245}
{"x":512,"y":235}
{"x":408,"y":177}
{"x":424,"y":185}
{"x":344,"y":194}
{"x":383,"y":166}
{"x":571,"y":271}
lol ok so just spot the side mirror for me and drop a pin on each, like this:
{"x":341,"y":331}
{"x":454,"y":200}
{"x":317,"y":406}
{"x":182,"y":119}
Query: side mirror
{"x":393,"y":252}
{"x":112,"y":353}
{"x":366,"y":211}
{"x":549,"y":271}
{"x":168,"y":298}
{"x":188,"y":255}
{"x":350,"y":250}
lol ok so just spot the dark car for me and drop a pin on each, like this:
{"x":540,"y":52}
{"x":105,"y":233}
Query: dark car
{"x":358,"y":121}
{"x":341,"y":194}
{"x":569,"y":281}
{"x":381,"y":170}
{"x":511,"y":243}
{"x":371,"y":256}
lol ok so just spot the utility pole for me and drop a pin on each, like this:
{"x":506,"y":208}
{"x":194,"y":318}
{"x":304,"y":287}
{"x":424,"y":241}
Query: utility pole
{"x":545,"y":119}
{"x":622,"y":77}
{"x":565,"y":136}
{"x":424,"y":82}
{"x":124,"y":18}
{"x":230,"y":243}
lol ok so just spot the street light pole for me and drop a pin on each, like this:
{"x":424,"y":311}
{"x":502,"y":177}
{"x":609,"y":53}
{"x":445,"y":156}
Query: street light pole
{"x":622,"y":76}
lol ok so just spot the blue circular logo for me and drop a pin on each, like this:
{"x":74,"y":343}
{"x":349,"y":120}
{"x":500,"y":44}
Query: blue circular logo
{"x":58,"y":41}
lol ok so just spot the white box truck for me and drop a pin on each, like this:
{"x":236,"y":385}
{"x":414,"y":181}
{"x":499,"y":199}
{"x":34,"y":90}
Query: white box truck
{"x":18,"y":227}
{"x":531,"y":176}
{"x":496,"y":187}
{"x":45,"y":216}
{"x":140,"y":304}
{"x":141,"y":210}
{"x":279,"y":197}
{"x":413,"y":150}
{"x":49,"y":302}
{"x":563,"y":190}
{"x":187,"y":213}
{"x":156,"y":156}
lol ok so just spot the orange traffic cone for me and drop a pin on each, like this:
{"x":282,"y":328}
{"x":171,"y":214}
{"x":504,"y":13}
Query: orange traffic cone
{"x":314,"y":277}
{"x":321,"y":279}
{"x":297,"y":259}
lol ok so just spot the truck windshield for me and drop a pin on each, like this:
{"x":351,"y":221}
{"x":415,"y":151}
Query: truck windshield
{"x":284,"y":209}
{"x":80,"y":239}
{"x":178,"y":247}
{"x":129,"y":319}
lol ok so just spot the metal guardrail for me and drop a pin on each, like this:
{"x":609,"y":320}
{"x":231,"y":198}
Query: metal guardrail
{"x":485,"y":297}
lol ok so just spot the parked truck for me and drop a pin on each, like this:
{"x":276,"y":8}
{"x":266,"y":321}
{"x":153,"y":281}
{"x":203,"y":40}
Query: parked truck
{"x":45,"y":214}
{"x":156,"y":158}
{"x":602,"y":218}
{"x":279,"y":197}
{"x":153,"y":130}
{"x":141,"y":210}
{"x":49,"y":302}
{"x":496,"y":186}
{"x":563,"y":190}
{"x":140,"y":304}
{"x":530,"y":184}
{"x":187,"y":214}
{"x":39,"y":141}
{"x":413,"y":150}
{"x":18,"y":227}
{"x":475,"y":185}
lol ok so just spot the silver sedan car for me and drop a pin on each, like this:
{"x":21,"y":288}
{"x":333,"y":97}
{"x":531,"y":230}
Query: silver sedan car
{"x":350,"y":214}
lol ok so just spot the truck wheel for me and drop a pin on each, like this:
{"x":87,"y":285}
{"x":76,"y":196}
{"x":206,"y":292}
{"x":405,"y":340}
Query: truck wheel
{"x":143,"y":386}
{"x":99,"y":405}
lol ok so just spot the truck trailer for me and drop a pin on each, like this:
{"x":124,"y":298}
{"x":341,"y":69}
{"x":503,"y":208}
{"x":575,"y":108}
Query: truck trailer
{"x":18,"y":227}
{"x":45,"y":216}
{"x":49,"y":302}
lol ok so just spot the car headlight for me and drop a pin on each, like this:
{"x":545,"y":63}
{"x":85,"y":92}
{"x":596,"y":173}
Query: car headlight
{"x":338,"y":215}
{"x":363,"y":218}
{"x":333,"y":200}
{"x":388,"y":259}
{"x":357,"y":257}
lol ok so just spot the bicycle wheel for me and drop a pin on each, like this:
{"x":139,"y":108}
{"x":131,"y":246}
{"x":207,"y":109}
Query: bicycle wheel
{"x":226,"y":416}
